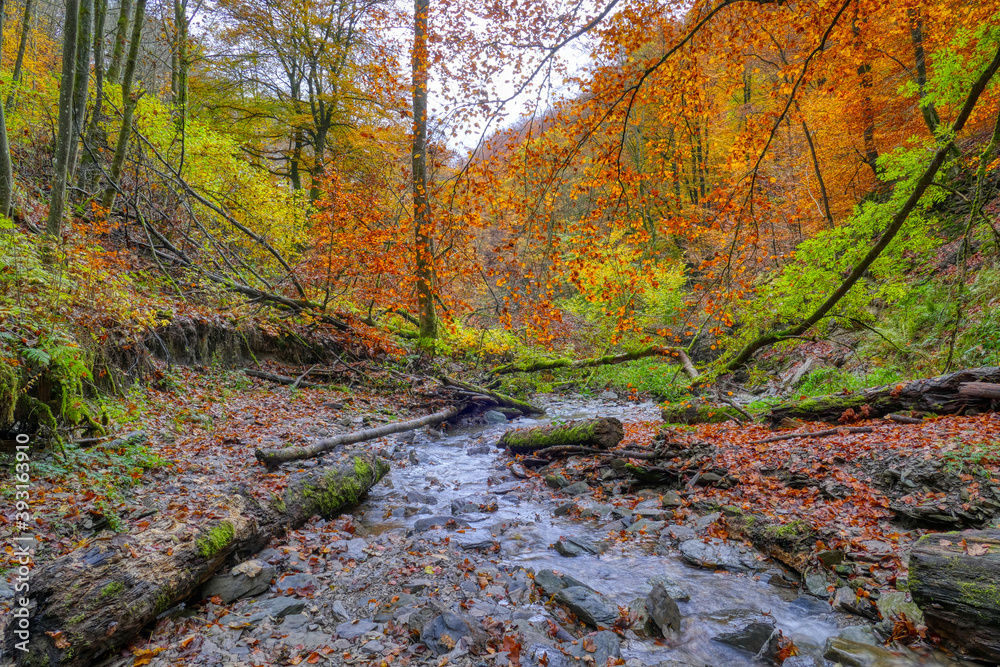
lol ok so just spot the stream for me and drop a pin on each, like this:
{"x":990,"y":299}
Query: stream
{"x":464,"y":463}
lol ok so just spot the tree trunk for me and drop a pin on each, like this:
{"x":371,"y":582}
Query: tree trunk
{"x":57,"y":200}
{"x":22,"y":46}
{"x":980,"y":390}
{"x":945,"y":394}
{"x":96,"y":599}
{"x":551,"y":364}
{"x":121,"y":40}
{"x":819,"y":176}
{"x":422,"y":220}
{"x":953,"y":579}
{"x":129,"y":101}
{"x":602,"y":433}
{"x":6,"y":168}
{"x":272,"y":458}
{"x":181,"y":90}
{"x":81,"y":81}
{"x":890,"y":232}
{"x":502,"y":399}
{"x":88,"y":160}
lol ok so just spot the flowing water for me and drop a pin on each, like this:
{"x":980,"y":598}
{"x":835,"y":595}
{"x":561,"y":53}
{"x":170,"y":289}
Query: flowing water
{"x":527,"y":527}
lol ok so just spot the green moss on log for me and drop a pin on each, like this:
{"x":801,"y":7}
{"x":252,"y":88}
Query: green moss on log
{"x":697,"y":411}
{"x":217,"y":539}
{"x":601,"y":433}
{"x":113,"y":589}
{"x":335,"y":490}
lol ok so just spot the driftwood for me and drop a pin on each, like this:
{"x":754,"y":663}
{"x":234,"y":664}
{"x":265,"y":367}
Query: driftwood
{"x":272,"y":458}
{"x":284,"y":379}
{"x":97,"y":598}
{"x":501,"y":399}
{"x":903,"y":419}
{"x":980,"y":390}
{"x":603,"y":433}
{"x":938,"y":395}
{"x":815,"y":434}
{"x":953,"y":579}
{"x":653,"y":350}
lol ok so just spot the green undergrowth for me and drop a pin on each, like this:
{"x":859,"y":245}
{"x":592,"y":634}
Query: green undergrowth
{"x":649,"y":377}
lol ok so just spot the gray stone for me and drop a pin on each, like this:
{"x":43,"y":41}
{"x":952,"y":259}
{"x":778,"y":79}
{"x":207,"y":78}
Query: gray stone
{"x":478,"y":450}
{"x":295,"y":581}
{"x":895,"y":604}
{"x":354,"y":629}
{"x":800,"y":661}
{"x":570,"y":547}
{"x":816,"y":584}
{"x":831,"y":557}
{"x":338,"y":611}
{"x":592,"y":608}
{"x":672,"y":588}
{"x":862,"y":634}
{"x":294,"y":622}
{"x":418,"y":497}
{"x":663,"y":611}
{"x":549,"y":582}
{"x":844,"y":599}
{"x":608,"y":395}
{"x":646,"y":526}
{"x":236,"y":585}
{"x":855,"y":654}
{"x":704,"y":522}
{"x":716,"y":554}
{"x":577,"y":489}
{"x":600,"y":647}
{"x":417,"y":585}
{"x":676,"y":533}
{"x":752,"y":637}
{"x":565,"y":509}
{"x":445,"y":630}
{"x":372,"y":647}
{"x":671,"y":499}
{"x":425,"y":523}
{"x":557,"y":481}
{"x":276,"y":608}
{"x":494,"y":417}
{"x":652,"y":514}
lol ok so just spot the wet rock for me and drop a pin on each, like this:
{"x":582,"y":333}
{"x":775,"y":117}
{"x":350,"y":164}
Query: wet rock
{"x":831,"y":557}
{"x":800,"y":661}
{"x":646,"y":526}
{"x":642,"y":624}
{"x":577,"y":489}
{"x":855,"y":654}
{"x":704,"y":522}
{"x":862,"y":634}
{"x":565,"y":509}
{"x":592,"y":608}
{"x":550,"y":583}
{"x":608,"y":395}
{"x":417,"y":585}
{"x":557,"y":481}
{"x":663,"y":611}
{"x":356,"y":549}
{"x":674,"y":534}
{"x":444,"y":631}
{"x":426,"y":523}
{"x":355,"y":629}
{"x":652,"y":514}
{"x":671,"y":499}
{"x":474,"y":540}
{"x":418,"y":497}
{"x":673,"y":589}
{"x":600,"y":647}
{"x":844,"y":599}
{"x":817,"y":584}
{"x":252,"y":577}
{"x":292,"y":582}
{"x":571,"y":547}
{"x":752,"y":637}
{"x":494,"y":417}
{"x":716,"y":554}
{"x":276,"y":608}
{"x":478,"y":450}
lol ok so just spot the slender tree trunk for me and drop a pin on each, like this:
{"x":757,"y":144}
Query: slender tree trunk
{"x":57,"y":201}
{"x":927,"y":109}
{"x":22,"y":46}
{"x":294,"y":165}
{"x":81,"y":81}
{"x":181,"y":91}
{"x":819,"y":175}
{"x":89,"y":172}
{"x":121,"y":39}
{"x":422,"y":220}
{"x":129,"y":101}
{"x":6,"y":168}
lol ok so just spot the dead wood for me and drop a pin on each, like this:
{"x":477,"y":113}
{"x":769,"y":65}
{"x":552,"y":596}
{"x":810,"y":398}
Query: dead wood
{"x":97,"y":598}
{"x":284,"y":379}
{"x":653,"y":350}
{"x":603,"y":434}
{"x":272,"y":458}
{"x":501,"y":399}
{"x":980,"y":390}
{"x":815,"y":434}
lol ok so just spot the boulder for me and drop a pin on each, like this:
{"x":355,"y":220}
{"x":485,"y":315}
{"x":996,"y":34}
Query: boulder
{"x":445,"y":630}
{"x":716,"y":554}
{"x":663,"y":611}
{"x":591,"y":608}
{"x":251,"y":577}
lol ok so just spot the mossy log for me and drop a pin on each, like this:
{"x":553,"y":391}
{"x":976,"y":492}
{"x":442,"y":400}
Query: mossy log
{"x":938,"y":395}
{"x":955,"y":580}
{"x":601,"y":433}
{"x":502,"y":399}
{"x":698,"y":411}
{"x":96,"y":599}
{"x":652,"y":350}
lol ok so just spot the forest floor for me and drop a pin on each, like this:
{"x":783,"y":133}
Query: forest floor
{"x":373,"y":587}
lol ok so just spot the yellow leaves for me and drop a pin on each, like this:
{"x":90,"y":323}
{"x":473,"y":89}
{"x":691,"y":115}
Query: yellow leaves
{"x":144,"y":656}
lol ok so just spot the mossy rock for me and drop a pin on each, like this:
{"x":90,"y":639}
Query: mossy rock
{"x":698,"y":411}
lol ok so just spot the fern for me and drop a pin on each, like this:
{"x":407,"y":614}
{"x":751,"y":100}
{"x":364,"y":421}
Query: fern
{"x":37,"y":356}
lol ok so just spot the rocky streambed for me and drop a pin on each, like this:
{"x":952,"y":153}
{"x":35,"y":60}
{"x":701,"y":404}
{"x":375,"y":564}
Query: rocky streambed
{"x":459,"y":558}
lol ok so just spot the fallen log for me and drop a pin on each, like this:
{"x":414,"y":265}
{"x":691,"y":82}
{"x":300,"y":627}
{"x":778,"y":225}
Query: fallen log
{"x":502,"y":399}
{"x":843,"y":430}
{"x":953,"y":579}
{"x":938,"y":395}
{"x":284,"y":379}
{"x":272,"y":458}
{"x":980,"y":390}
{"x":97,"y":598}
{"x":602,"y":433}
{"x":652,"y":350}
